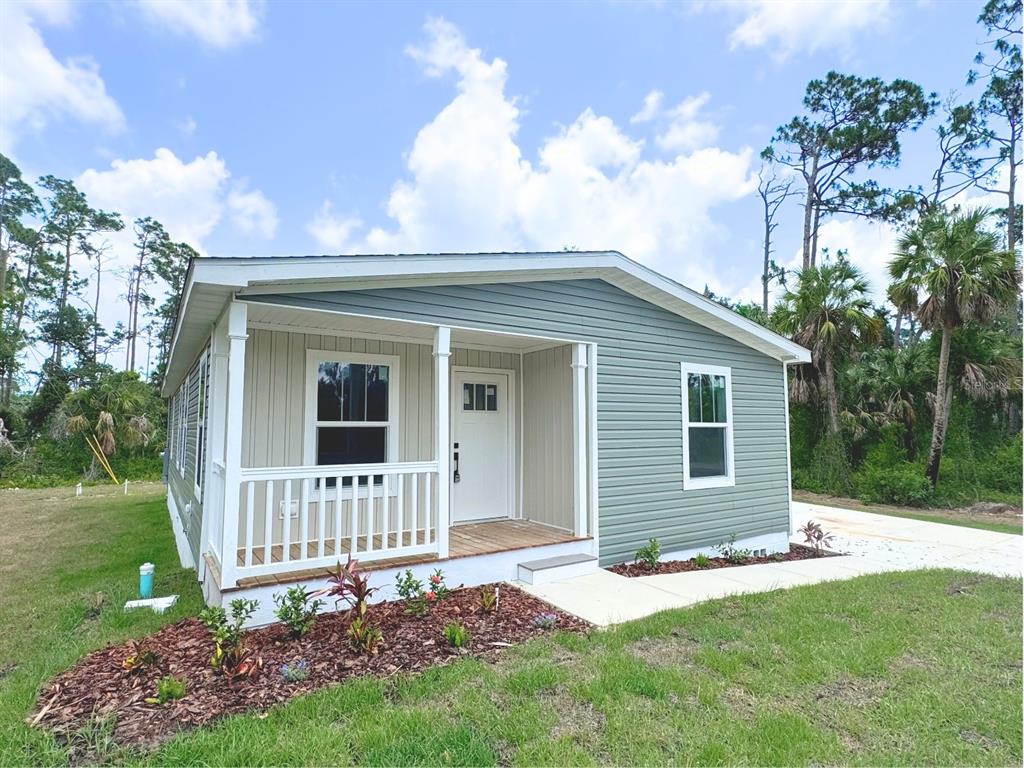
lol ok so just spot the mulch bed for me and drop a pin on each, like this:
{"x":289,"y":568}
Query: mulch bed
{"x":99,"y":687}
{"x":796,"y":552}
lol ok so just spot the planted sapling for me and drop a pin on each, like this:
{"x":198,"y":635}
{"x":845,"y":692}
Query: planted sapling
{"x":230,"y":656}
{"x":649,"y":554}
{"x":729,"y":551}
{"x":295,"y":672}
{"x":297,"y":610}
{"x":489,"y":598}
{"x":545,"y":620}
{"x":817,"y":537}
{"x":365,"y":636}
{"x":168,"y":688}
{"x":701,"y":560}
{"x":456,"y":635}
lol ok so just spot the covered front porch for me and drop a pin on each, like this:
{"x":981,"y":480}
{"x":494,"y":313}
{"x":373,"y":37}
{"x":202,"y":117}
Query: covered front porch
{"x":394,"y":442}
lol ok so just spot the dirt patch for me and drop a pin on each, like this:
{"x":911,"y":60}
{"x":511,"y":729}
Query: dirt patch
{"x":576,"y":719}
{"x":99,"y":686}
{"x":857,"y":692}
{"x":665,"y":651}
{"x":983,"y":512}
{"x":962,"y":587}
{"x":987,"y":743}
{"x":796,"y":552}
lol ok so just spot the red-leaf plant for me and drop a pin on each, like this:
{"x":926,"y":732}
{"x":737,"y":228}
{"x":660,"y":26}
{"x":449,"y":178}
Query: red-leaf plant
{"x":816,"y":536}
{"x":349,"y":585}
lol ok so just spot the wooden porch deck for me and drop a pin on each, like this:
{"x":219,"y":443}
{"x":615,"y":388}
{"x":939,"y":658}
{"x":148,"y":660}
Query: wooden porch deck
{"x":465,"y":540}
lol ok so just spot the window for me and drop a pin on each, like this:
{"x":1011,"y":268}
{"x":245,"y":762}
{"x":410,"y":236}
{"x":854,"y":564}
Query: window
{"x":353,"y":408}
{"x":203,"y":372}
{"x":479,"y":397}
{"x":182,"y":425}
{"x":707,"y":426}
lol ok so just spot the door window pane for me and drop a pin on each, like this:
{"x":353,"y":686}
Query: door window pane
{"x":467,"y":397}
{"x":707,"y":452}
{"x":492,"y":397}
{"x":480,"y":398}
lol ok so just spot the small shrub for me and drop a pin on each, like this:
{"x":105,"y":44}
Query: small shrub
{"x":545,"y":620}
{"x":729,"y":551}
{"x":297,"y":610}
{"x":410,"y":589}
{"x":365,"y":636}
{"x":903,"y":483}
{"x":489,"y":599}
{"x":438,"y":589}
{"x":456,"y":635}
{"x":168,"y":688}
{"x":295,"y":672}
{"x":816,"y":536}
{"x":701,"y":560}
{"x":649,"y":554}
{"x":139,"y":657}
{"x":230,"y":656}
{"x":350,"y":586}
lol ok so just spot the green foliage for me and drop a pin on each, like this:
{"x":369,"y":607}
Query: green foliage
{"x":230,"y":656}
{"x":365,"y":636}
{"x":489,"y":598}
{"x":168,"y":688}
{"x":701,"y":560}
{"x":456,"y":635}
{"x":295,"y":672}
{"x":731,"y":552}
{"x":649,"y":554}
{"x":902,"y":484}
{"x":827,"y":469}
{"x":297,"y":610}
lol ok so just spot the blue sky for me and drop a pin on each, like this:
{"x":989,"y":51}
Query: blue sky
{"x":270,"y":128}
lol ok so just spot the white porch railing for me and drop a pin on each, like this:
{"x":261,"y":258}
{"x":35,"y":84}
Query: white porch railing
{"x":312,"y":516}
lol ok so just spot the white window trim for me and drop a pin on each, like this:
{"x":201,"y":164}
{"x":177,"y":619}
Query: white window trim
{"x":313,"y":359}
{"x":729,"y":478}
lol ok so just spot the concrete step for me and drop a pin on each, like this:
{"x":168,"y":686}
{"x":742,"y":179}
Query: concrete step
{"x":556,"y":568}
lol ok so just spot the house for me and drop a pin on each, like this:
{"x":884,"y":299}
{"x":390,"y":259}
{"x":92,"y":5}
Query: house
{"x":502,"y":416}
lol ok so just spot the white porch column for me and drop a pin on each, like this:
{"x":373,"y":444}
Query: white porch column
{"x":442,"y":450}
{"x":233,"y":439}
{"x":580,"y":476}
{"x":595,"y":504}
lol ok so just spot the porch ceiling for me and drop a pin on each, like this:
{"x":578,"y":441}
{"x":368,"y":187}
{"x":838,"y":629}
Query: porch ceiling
{"x":296,"y":320}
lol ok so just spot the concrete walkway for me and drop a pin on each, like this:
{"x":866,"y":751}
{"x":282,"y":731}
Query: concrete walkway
{"x":875,"y":543}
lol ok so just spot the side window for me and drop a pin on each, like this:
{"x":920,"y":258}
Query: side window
{"x":707,"y":426}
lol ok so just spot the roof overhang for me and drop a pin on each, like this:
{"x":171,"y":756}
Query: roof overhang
{"x":213,"y":281}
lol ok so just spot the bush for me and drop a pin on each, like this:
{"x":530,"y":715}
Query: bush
{"x":456,"y":635}
{"x":701,"y":560}
{"x":827,"y":469}
{"x":167,"y":689}
{"x":903,"y":484}
{"x":296,"y":610}
{"x":650,"y":554}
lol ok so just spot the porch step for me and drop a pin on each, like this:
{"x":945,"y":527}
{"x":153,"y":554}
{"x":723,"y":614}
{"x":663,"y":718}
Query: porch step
{"x":556,"y":568}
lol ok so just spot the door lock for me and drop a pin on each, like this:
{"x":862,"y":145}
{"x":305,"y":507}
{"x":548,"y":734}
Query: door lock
{"x":456,"y":477}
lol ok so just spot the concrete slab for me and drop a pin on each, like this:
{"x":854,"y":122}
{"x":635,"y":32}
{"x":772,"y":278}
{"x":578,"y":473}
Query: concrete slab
{"x":604,"y":598}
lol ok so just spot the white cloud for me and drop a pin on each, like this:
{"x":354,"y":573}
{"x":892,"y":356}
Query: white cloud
{"x":469,"y":187}
{"x":36,"y":88}
{"x":188,"y":126}
{"x":251,"y":212}
{"x":651,"y":108}
{"x":332,"y":231}
{"x":686,"y":129}
{"x":216,"y":23}
{"x":787,"y":27}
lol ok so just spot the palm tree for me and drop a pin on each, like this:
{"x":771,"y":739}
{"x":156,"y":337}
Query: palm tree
{"x":954,"y":262}
{"x":828,"y":311}
{"x":885,"y":384}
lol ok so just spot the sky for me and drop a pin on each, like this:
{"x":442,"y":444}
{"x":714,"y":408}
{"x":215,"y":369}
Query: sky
{"x":260,"y":128}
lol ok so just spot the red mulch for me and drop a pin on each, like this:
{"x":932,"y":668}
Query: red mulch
{"x":796,"y":552}
{"x":98,"y":686}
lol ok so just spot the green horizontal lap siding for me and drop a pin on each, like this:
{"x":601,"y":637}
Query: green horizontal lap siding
{"x":639,"y":398}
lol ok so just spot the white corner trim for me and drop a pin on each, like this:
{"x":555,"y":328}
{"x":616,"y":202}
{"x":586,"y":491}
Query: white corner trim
{"x":729,"y":478}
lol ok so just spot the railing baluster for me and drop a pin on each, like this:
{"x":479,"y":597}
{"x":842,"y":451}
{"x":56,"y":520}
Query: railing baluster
{"x":353,"y":483}
{"x":415,"y":508}
{"x":304,"y":518}
{"x":337,"y":517}
{"x":369,"y":513}
{"x":286,"y":523}
{"x":268,"y":522}
{"x":250,"y":519}
{"x":321,"y":532}
{"x":400,"y":513}
{"x":385,"y":512}
{"x":429,"y":504}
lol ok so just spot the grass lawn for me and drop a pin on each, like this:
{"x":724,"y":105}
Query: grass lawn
{"x":914,"y":668}
{"x":999,"y":524}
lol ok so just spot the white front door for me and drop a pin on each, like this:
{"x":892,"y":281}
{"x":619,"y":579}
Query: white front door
{"x":481,"y":456}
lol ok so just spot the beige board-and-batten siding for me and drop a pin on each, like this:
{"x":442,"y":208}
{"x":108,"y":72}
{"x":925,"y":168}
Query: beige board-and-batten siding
{"x":274,"y":417}
{"x":640,"y":347}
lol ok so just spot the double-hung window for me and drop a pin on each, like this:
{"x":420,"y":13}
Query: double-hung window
{"x":707,"y":426}
{"x":352,"y":409}
{"x":203,"y":372}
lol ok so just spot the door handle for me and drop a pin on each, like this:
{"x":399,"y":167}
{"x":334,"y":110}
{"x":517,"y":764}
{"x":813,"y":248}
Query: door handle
{"x":456,"y":477}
